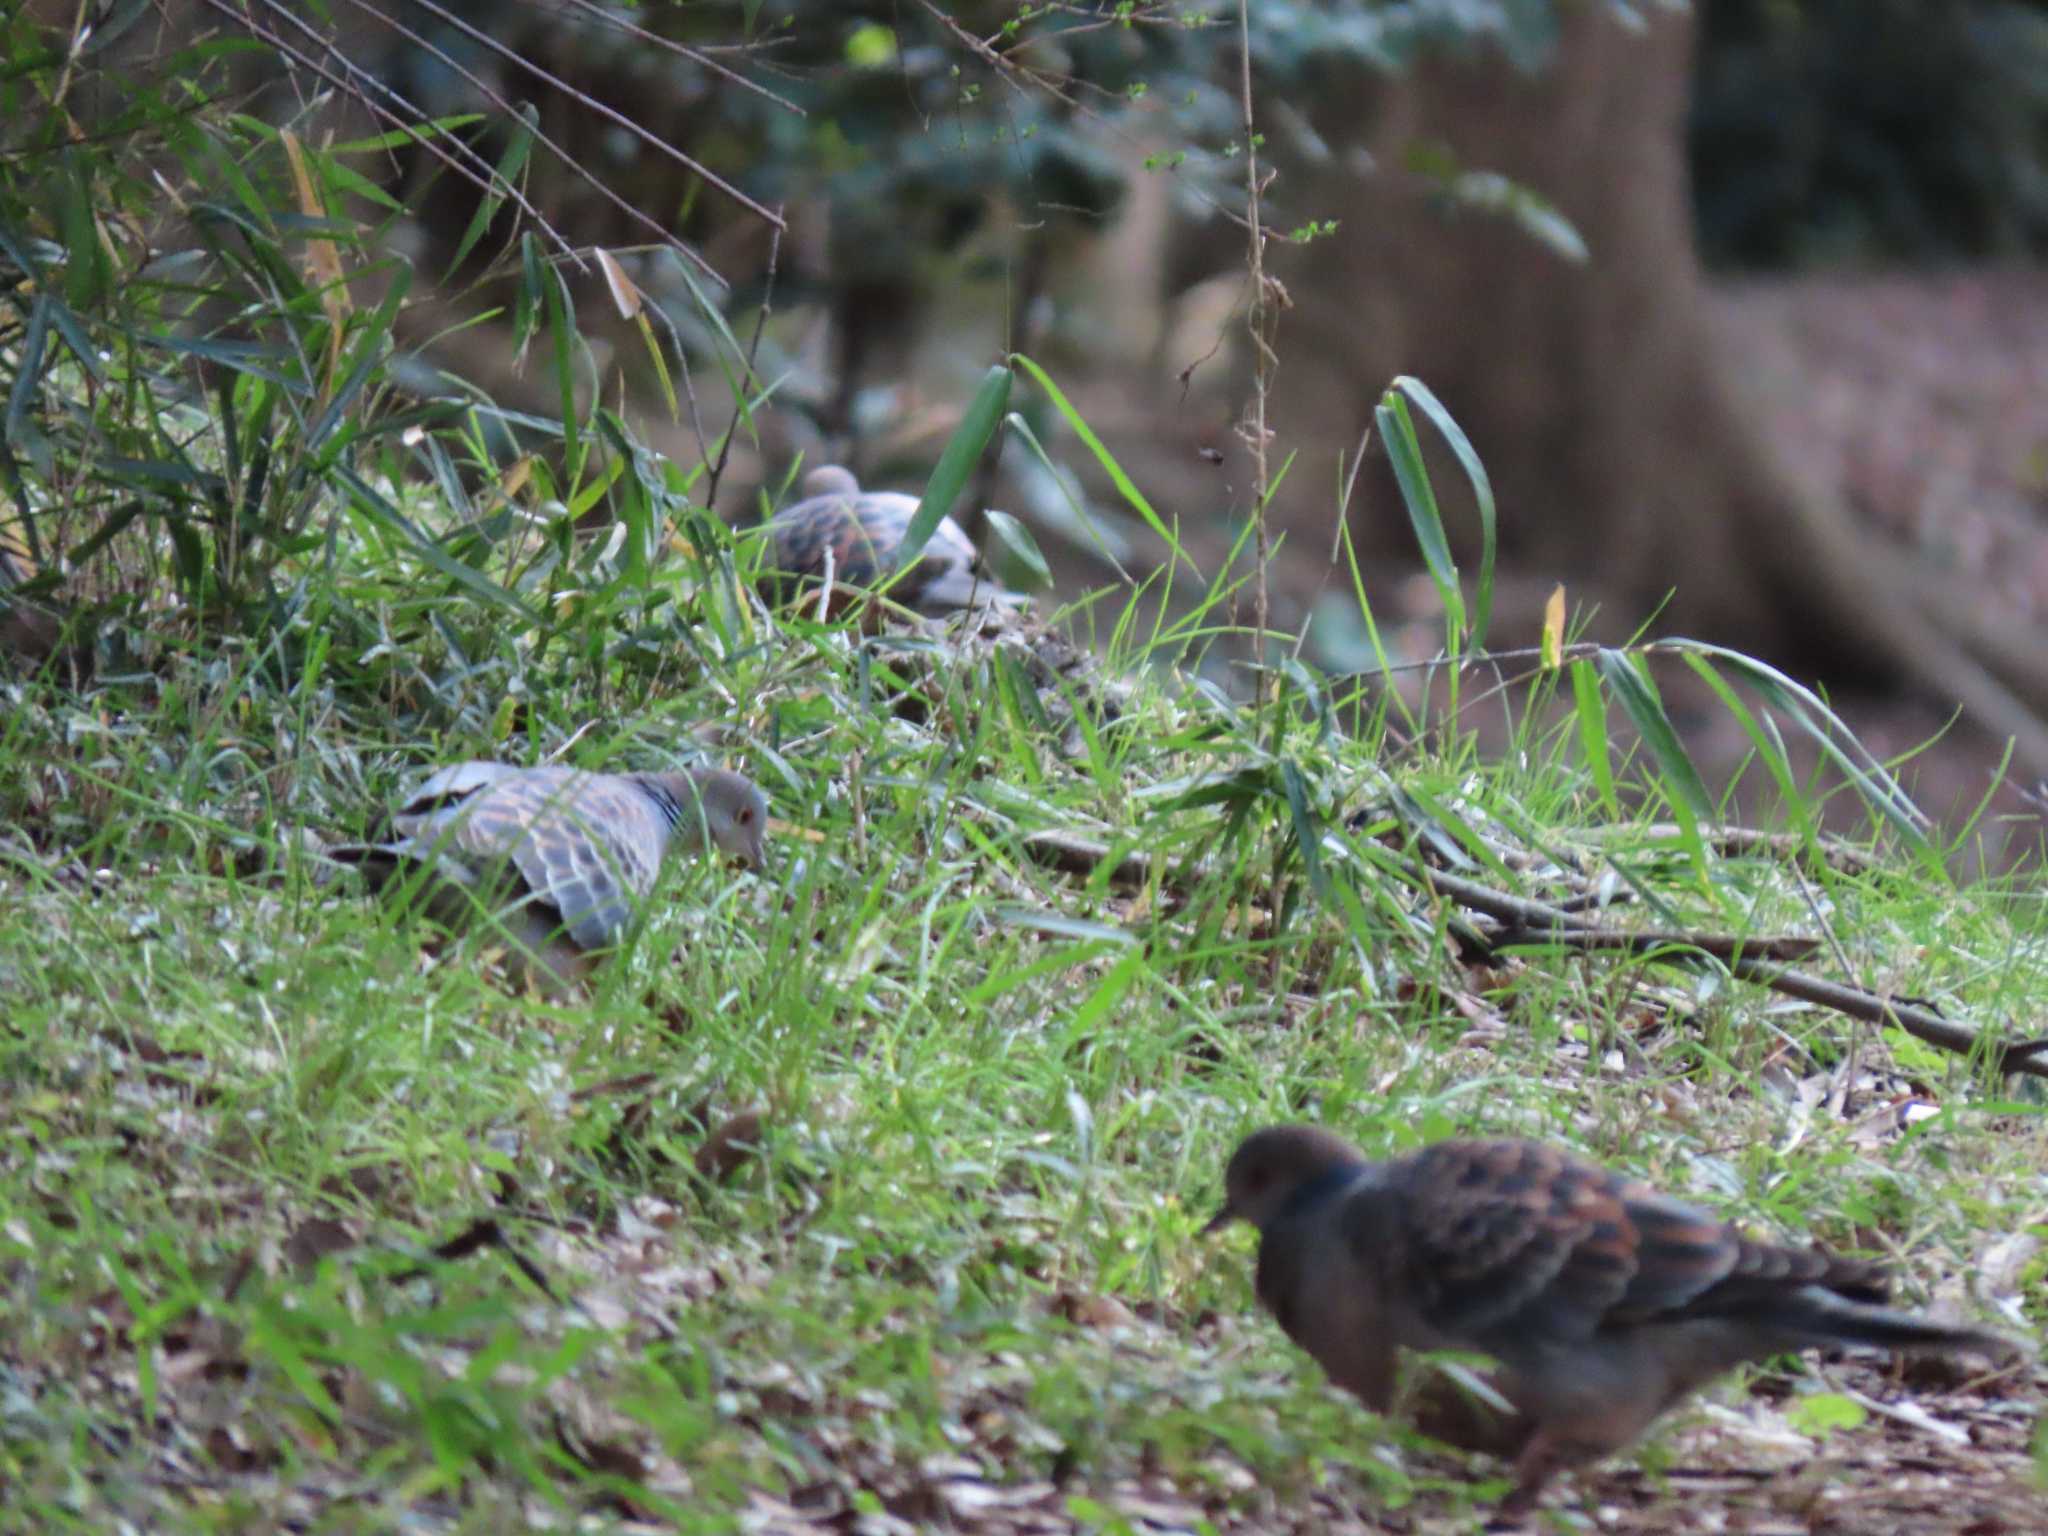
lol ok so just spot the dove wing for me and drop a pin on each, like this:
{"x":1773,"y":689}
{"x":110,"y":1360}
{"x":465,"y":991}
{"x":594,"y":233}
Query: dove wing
{"x":856,"y":528}
{"x":588,"y":845}
{"x":1516,"y":1241}
{"x":443,"y":790}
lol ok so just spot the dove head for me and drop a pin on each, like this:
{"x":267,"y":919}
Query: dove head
{"x":719,"y":806}
{"x":1272,"y":1170}
{"x":830,"y":480}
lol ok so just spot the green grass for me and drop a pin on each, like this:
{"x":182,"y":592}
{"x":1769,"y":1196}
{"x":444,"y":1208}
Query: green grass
{"x":307,"y":1222}
{"x":241,"y":1105}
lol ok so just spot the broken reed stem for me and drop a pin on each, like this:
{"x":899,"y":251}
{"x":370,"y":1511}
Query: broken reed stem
{"x":1258,"y":321}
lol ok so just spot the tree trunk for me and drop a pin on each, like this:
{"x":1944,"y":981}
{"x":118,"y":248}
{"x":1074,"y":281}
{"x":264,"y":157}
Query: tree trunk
{"x":1624,"y":446}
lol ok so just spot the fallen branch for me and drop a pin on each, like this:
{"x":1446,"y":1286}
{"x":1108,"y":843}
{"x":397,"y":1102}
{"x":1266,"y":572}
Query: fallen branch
{"x":1745,"y":960}
{"x":1921,"y":1023}
{"x":1527,"y":921}
{"x":1083,"y":856}
{"x":1758,"y":960}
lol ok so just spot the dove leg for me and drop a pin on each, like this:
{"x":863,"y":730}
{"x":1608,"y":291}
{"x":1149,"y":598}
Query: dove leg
{"x":1546,"y":1454}
{"x":1539,"y":1462}
{"x":1443,"y":1410}
{"x":540,"y":955}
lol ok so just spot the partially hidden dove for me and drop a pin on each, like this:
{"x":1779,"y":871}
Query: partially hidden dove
{"x":1601,"y":1301}
{"x":860,"y":534}
{"x":566,"y":856}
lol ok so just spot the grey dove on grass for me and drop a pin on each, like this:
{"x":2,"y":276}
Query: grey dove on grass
{"x":1601,"y":1301}
{"x":862,"y":532}
{"x":565,"y":856}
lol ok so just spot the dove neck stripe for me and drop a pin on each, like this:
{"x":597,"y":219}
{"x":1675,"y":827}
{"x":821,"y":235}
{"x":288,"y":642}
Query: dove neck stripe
{"x":1324,"y":1186}
{"x":665,"y":800}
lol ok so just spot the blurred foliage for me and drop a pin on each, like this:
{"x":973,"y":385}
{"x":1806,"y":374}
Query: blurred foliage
{"x":206,"y":276}
{"x":1871,"y":130}
{"x":199,"y":362}
{"x":917,"y":148}
{"x":914,"y":124}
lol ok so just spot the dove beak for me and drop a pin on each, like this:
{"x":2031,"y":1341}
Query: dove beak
{"x":1219,"y":1221}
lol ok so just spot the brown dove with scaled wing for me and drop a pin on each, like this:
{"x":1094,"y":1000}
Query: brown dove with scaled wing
{"x":1601,"y":1301}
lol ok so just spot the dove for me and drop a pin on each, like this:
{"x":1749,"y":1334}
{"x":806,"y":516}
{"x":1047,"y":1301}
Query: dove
{"x":1601,"y":1301}
{"x":863,"y":533}
{"x":570,"y":854}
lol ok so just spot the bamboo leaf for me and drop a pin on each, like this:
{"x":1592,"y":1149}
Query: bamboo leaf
{"x":1123,"y":482}
{"x":511,"y":165}
{"x":1019,"y":548}
{"x":1308,"y":829}
{"x":962,"y":452}
{"x":1836,"y":741}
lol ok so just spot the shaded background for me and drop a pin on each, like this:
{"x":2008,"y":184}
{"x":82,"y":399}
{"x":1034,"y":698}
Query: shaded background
{"x":1739,"y":304}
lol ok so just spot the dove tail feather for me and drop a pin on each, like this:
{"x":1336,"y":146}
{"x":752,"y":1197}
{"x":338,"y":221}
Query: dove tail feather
{"x":1831,"y":1317}
{"x":377,"y":862}
{"x":383,"y":866}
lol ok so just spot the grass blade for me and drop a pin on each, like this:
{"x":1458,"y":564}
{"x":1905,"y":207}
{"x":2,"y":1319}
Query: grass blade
{"x":1633,"y":688}
{"x":1404,"y":452}
{"x":1482,"y":494}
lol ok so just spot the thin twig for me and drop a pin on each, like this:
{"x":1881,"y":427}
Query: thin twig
{"x":589,"y":103}
{"x":608,"y":16}
{"x":487,"y":181}
{"x":753,"y":352}
{"x":1258,"y":321}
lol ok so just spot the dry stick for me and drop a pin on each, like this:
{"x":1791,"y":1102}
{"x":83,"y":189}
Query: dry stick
{"x":1528,"y":920}
{"x":1258,"y":323}
{"x":2028,"y":1056}
{"x":1744,"y":962}
{"x":1652,"y":942}
{"x":1073,"y":855}
{"x":1746,"y":959}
